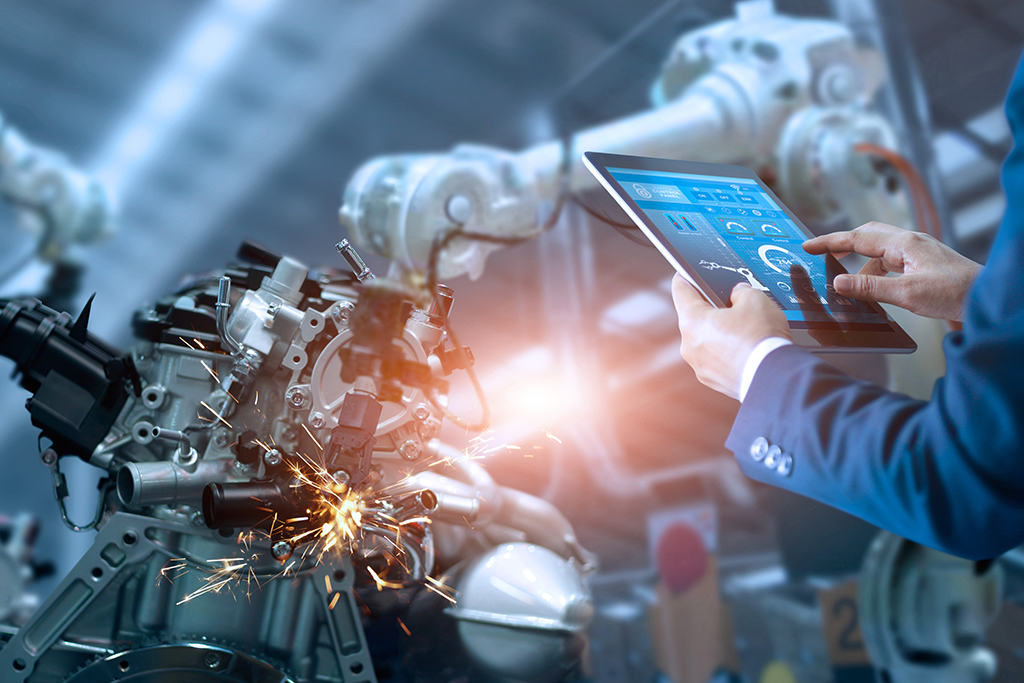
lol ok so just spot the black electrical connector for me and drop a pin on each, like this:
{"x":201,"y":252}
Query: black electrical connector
{"x":79,"y":384}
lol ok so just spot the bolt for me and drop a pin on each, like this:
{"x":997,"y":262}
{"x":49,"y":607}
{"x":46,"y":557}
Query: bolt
{"x":459,"y":208}
{"x":295,"y":397}
{"x":317,"y":420}
{"x":342,"y":477}
{"x":49,"y":457}
{"x":421,"y":412}
{"x":341,"y":311}
{"x":426,"y":431}
{"x":281,"y":551}
{"x":272,"y":457}
{"x":220,"y":438}
{"x":212,"y":660}
{"x":410,"y":449}
{"x":197,"y":519}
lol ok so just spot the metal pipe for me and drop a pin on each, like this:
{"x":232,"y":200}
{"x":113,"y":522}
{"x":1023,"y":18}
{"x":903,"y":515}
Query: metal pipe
{"x":223,"y":309}
{"x":140,"y":484}
{"x":355,"y":262}
{"x":456,"y":509}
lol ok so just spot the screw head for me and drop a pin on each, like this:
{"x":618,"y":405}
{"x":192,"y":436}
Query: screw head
{"x":220,"y":438}
{"x":281,"y":550}
{"x":49,"y":456}
{"x":197,"y":519}
{"x":410,"y":449}
{"x":272,"y":457}
{"x":426,"y":430}
{"x":341,"y":311}
{"x":317,"y":420}
{"x":421,"y":412}
{"x":212,"y":660}
{"x":295,"y":397}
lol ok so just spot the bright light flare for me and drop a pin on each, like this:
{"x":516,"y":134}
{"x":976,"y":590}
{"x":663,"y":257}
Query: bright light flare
{"x":539,"y":401}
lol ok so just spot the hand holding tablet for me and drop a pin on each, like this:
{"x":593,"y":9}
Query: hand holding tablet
{"x":718,"y":225}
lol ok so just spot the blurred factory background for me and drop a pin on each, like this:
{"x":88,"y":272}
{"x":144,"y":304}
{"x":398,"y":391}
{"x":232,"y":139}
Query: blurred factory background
{"x":215,"y":121}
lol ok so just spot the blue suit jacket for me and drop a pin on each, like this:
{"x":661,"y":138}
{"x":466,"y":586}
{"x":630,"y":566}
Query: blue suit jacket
{"x":947,"y":473}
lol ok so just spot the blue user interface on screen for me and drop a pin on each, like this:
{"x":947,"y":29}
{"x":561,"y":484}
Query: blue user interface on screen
{"x":730,"y":230}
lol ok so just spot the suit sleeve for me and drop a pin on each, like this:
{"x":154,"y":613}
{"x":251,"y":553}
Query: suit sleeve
{"x":948,"y":472}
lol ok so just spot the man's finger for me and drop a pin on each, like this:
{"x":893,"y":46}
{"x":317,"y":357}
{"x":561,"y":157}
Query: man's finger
{"x":888,"y":290}
{"x":874,"y":266}
{"x":870,"y":239}
{"x":870,"y":244}
{"x":686,"y":297}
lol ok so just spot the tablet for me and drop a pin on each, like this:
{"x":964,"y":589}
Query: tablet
{"x":719,"y":225}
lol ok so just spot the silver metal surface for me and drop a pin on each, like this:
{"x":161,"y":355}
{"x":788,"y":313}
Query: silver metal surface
{"x":924,"y":613}
{"x":288,"y":621}
{"x":518,"y":606}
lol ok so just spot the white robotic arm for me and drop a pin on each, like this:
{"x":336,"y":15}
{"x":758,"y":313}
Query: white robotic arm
{"x":55,"y":201}
{"x":787,"y":96}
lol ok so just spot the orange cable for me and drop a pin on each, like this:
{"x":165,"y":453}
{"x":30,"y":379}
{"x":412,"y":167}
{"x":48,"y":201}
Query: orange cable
{"x":925,"y":213}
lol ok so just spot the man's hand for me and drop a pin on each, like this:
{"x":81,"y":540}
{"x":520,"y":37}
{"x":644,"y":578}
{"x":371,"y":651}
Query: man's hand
{"x":935,"y":278}
{"x":717,"y":341}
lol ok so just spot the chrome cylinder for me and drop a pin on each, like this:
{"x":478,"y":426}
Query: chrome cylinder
{"x":140,"y":484}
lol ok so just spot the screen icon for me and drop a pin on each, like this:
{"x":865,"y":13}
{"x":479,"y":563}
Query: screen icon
{"x":687,"y":223}
{"x":770,"y":229}
{"x":641,"y":191}
{"x":734,"y":227}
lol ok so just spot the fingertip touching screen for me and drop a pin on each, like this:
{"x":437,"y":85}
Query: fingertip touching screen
{"x":731,"y":230}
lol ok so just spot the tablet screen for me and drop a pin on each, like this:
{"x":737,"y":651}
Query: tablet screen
{"x":730,"y":230}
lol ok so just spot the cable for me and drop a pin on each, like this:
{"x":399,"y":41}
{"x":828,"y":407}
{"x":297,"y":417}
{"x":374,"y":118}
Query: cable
{"x":627,"y":231}
{"x":443,"y":239}
{"x":925,"y":214}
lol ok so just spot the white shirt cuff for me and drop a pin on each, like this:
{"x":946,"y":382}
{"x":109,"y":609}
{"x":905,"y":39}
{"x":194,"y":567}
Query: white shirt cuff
{"x":763,"y":348}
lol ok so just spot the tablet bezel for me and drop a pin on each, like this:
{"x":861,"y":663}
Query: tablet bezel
{"x":826,"y":338}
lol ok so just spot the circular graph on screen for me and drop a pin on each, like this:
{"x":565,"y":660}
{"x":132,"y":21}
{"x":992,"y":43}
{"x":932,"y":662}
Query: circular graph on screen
{"x":779,"y":259}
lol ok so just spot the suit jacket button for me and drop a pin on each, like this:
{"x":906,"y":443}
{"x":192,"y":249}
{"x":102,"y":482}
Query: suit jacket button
{"x":771,"y":460}
{"x":785,"y":467}
{"x":759,"y":448}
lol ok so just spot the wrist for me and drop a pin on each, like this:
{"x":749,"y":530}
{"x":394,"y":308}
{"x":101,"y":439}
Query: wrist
{"x":754,"y":359}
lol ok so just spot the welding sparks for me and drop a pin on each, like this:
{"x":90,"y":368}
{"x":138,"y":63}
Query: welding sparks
{"x":319,"y":447}
{"x":439,"y":587}
{"x":210,"y":370}
{"x":381,"y":583}
{"x":216,"y":414}
{"x":336,"y":519}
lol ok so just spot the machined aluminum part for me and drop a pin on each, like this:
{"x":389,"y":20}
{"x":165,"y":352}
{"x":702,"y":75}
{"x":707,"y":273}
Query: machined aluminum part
{"x":519,"y":607}
{"x":148,"y":580}
{"x":192,"y":662}
{"x":141,"y":484}
{"x":327,"y":390}
{"x":924,"y":613}
{"x":821,"y":175}
{"x":466,"y":493}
